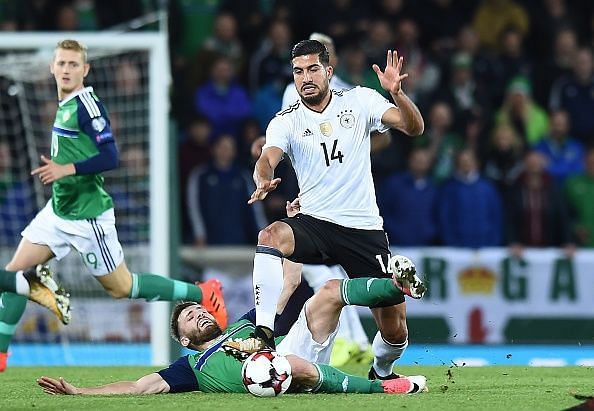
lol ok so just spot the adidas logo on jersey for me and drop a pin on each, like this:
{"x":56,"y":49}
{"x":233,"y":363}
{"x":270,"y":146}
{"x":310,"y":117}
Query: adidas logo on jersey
{"x":307,"y":133}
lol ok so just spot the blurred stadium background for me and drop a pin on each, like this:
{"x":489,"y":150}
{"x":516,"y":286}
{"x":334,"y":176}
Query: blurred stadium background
{"x":503,"y":233}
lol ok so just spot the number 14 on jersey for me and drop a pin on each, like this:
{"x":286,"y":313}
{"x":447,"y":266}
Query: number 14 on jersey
{"x":334,"y":155}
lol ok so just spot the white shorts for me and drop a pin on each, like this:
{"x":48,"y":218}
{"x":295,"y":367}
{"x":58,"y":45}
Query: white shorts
{"x":95,"y":239}
{"x":300,"y":342}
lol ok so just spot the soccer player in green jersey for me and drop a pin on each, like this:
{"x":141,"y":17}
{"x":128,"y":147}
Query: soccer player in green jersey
{"x":215,"y":367}
{"x":80,"y":213}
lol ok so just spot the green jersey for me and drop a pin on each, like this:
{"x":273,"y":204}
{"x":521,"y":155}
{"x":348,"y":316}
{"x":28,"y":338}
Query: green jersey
{"x":210,"y":370}
{"x":80,"y":127}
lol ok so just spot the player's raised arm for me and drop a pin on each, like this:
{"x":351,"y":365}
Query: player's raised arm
{"x":407,"y":116}
{"x":264,"y":173}
{"x":149,"y":384}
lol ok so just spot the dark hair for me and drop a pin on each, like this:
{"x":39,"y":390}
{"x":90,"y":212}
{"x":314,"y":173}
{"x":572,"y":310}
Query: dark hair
{"x":175,"y":317}
{"x":305,"y":47}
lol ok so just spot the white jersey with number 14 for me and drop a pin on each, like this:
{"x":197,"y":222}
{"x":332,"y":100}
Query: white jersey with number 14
{"x":330,"y":152}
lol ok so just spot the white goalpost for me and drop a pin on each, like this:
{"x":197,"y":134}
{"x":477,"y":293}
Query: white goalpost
{"x":130,"y":74}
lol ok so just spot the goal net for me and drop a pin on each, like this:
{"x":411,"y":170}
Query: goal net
{"x":129,"y":73}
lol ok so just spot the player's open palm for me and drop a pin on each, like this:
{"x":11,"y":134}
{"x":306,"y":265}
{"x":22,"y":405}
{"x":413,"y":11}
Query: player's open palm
{"x":391,"y":78}
{"x":56,"y":387}
{"x":263,"y":188}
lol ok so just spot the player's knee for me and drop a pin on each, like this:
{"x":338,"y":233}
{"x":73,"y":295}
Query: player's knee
{"x":331,"y":292}
{"x":271,"y":236}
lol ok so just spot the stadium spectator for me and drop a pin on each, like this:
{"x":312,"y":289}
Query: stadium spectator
{"x":130,"y":196}
{"x":441,"y":141}
{"x":16,"y":200}
{"x":563,"y":154}
{"x":484,"y":64}
{"x":470,"y":209}
{"x":503,"y":159}
{"x":379,"y":38}
{"x":549,"y":18}
{"x":575,"y":94}
{"x":580,"y":196}
{"x":408,"y":203}
{"x":492,"y":17}
{"x":251,"y":17}
{"x":527,"y":118}
{"x":225,"y":41}
{"x":354,"y":69}
{"x":268,"y":64}
{"x":423,"y":73}
{"x":440,"y":21}
{"x":511,"y":61}
{"x":223,"y":100}
{"x":217,"y":199}
{"x":343,"y":20}
{"x":536,"y":212}
{"x":194,"y":151}
{"x":467,"y":98}
{"x":554,"y":65}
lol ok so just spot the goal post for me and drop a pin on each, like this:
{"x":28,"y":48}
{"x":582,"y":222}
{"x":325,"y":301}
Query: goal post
{"x":146,"y":112}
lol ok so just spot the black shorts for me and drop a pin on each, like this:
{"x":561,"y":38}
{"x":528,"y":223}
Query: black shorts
{"x":362,"y":253}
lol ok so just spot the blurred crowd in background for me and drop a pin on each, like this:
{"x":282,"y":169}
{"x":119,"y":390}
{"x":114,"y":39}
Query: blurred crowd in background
{"x":506,"y":88}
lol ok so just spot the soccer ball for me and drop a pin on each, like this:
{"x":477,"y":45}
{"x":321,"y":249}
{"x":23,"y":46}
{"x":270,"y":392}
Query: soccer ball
{"x":266,"y":374}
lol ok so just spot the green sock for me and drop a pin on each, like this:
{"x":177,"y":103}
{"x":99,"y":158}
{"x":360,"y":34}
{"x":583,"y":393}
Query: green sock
{"x":7,"y":281}
{"x":11,"y":311}
{"x":334,"y":381}
{"x":369,"y":291}
{"x":153,"y":287}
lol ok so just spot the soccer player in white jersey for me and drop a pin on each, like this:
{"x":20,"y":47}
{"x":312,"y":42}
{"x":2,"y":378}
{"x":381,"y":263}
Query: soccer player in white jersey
{"x":326,"y":136}
{"x":351,"y":342}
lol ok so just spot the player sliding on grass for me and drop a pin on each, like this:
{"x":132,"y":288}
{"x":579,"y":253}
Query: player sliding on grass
{"x":80,"y":213}
{"x":216,"y":366}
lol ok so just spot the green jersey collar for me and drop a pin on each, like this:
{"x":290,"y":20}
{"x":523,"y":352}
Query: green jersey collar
{"x":73,"y":95}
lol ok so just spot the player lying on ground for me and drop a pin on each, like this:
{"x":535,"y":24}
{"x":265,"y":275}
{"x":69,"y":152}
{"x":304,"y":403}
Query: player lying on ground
{"x":216,"y":366}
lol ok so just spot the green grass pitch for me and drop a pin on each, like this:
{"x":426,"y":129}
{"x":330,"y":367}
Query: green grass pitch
{"x":450,"y":388}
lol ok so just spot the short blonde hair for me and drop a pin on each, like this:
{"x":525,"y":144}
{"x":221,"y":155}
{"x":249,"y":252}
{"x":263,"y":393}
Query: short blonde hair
{"x":74,"y":45}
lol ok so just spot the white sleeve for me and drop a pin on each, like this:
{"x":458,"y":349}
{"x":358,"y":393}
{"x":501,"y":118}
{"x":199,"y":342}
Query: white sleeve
{"x":377,"y":105}
{"x":277,"y":134}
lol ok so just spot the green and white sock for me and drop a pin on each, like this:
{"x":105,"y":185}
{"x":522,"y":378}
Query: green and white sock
{"x":14,"y":282}
{"x":368,"y":292}
{"x":333,"y":380}
{"x":154,"y":287}
{"x":12,"y":307}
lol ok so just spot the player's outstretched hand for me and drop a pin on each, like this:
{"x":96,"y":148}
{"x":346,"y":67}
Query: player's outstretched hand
{"x":391,"y":79}
{"x":51,"y":171}
{"x":56,"y":387}
{"x":264,"y":187}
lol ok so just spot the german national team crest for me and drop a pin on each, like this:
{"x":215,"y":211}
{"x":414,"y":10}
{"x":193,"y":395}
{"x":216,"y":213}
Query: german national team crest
{"x":326,"y":128}
{"x":347,"y":120}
